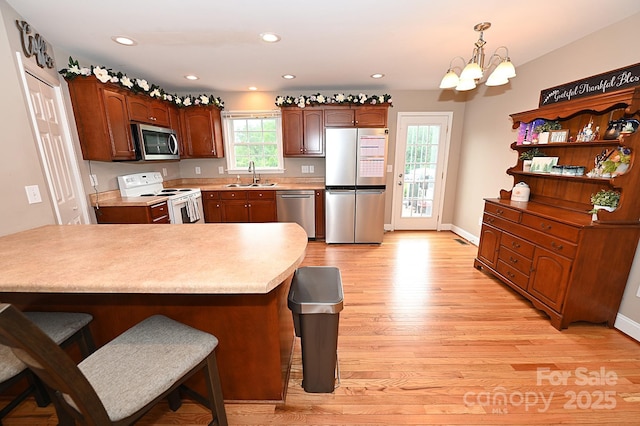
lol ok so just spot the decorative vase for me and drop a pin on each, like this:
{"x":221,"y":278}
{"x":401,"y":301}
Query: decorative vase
{"x":607,"y":208}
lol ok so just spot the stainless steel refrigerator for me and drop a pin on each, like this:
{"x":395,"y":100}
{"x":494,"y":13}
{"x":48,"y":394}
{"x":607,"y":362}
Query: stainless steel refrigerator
{"x":355,"y":184}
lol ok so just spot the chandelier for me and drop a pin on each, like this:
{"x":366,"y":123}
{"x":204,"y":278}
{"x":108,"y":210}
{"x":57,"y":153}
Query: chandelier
{"x":475,"y":68}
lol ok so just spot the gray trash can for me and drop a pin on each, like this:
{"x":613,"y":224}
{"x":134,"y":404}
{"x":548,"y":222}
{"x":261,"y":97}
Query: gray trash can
{"x":315,"y":300}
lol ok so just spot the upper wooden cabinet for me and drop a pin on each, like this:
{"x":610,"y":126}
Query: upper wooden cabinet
{"x":202,"y":132}
{"x":102,"y":119}
{"x":147,"y":110}
{"x":356,"y":116}
{"x":303,"y":131}
{"x":104,"y":112}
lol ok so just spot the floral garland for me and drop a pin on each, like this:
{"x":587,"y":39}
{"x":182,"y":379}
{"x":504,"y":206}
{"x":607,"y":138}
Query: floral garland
{"x":318,"y":99}
{"x":106,"y":75}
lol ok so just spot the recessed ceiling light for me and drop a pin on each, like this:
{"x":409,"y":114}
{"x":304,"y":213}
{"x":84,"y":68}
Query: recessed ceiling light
{"x":270,"y":37}
{"x":288,"y":76}
{"x":253,"y":88}
{"x":191,"y":77}
{"x":125,"y":41}
{"x":378,"y":75}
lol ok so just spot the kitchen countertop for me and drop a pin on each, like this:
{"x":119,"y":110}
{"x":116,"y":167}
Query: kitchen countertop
{"x":247,"y":258}
{"x":113,"y":198}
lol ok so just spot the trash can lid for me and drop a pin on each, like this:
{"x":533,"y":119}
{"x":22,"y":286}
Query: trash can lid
{"x":316,"y":290}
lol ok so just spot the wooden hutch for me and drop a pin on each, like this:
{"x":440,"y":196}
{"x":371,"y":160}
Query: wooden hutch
{"x":550,"y":249}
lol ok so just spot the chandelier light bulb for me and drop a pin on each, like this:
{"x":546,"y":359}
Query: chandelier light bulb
{"x":450,"y":80}
{"x":466,"y":84}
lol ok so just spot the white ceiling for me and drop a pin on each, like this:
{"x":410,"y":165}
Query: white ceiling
{"x":327,"y":44}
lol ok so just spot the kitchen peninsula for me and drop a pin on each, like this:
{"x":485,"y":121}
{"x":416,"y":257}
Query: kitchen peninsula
{"x":231,"y":280}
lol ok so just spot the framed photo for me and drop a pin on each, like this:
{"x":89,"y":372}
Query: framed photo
{"x":558,"y":135}
{"x":543,"y":164}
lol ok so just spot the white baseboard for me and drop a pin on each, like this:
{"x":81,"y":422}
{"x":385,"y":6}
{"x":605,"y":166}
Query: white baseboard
{"x":628,"y":326}
{"x":464,"y":234}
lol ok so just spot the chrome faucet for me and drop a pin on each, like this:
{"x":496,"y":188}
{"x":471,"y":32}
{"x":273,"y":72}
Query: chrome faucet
{"x":252,"y":168}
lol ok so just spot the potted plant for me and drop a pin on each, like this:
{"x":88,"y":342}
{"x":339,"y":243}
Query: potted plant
{"x":543,"y":130}
{"x":605,"y":199}
{"x":527,"y":157}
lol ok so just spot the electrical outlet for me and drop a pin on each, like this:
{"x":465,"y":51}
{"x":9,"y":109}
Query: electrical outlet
{"x":33,"y":194}
{"x":220,"y":170}
{"x":164,"y":171}
{"x":198,"y":171}
{"x":93,"y":179}
{"x":305,"y":169}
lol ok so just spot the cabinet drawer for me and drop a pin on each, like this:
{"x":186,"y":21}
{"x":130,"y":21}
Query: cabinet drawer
{"x":233,"y":195}
{"x":505,"y":212}
{"x":521,"y":263}
{"x":551,"y":227}
{"x":547,"y":241}
{"x":520,"y":246}
{"x":210,"y":195}
{"x":513,"y":275}
{"x":159,"y":210}
{"x":261,"y":195}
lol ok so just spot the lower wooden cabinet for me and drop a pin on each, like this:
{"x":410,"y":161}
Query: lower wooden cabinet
{"x":239,"y":206}
{"x":569,"y":267}
{"x":157,"y":213}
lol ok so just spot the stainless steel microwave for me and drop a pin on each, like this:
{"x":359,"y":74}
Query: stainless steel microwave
{"x":155,"y":143}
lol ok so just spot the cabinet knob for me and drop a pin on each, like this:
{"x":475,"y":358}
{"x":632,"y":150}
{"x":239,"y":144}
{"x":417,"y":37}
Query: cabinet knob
{"x":513,"y":260}
{"x":515,"y":245}
{"x":500,"y":212}
{"x":545,"y":226}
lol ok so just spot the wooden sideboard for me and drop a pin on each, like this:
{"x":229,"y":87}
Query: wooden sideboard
{"x":551,"y":250}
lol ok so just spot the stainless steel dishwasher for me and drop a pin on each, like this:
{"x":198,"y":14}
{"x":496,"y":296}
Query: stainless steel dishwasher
{"x":298,"y":206}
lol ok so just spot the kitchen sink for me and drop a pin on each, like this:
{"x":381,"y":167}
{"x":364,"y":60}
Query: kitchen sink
{"x":249,"y":185}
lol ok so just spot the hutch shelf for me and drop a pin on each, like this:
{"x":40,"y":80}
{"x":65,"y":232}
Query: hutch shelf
{"x":551,"y":250}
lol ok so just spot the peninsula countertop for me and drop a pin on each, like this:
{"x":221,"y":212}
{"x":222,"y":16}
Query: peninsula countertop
{"x":228,"y":258}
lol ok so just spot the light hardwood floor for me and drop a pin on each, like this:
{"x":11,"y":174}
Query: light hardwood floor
{"x":427,"y":339}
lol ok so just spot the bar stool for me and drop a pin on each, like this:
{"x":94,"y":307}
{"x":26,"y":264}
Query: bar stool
{"x":64,"y":328}
{"x":125,"y":378}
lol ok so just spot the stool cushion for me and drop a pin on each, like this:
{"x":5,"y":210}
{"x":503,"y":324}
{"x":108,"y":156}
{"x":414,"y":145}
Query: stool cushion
{"x":139,"y":365}
{"x":59,"y":326}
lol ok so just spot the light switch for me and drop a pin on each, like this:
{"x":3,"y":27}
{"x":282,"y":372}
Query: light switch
{"x":220,"y":170}
{"x":305,"y":169}
{"x":312,"y":169}
{"x":198,"y":170}
{"x":33,"y":194}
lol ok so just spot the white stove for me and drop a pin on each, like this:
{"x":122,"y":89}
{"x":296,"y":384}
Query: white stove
{"x":185,"y":204}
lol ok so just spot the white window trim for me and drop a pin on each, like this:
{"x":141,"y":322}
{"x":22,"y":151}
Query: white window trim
{"x":228,"y":132}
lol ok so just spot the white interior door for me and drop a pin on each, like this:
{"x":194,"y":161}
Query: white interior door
{"x":422,"y":145}
{"x":58,"y":162}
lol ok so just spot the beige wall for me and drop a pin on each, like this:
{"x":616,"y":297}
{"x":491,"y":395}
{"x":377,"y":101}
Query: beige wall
{"x":480,"y":139}
{"x":487,"y":130}
{"x":19,"y":163}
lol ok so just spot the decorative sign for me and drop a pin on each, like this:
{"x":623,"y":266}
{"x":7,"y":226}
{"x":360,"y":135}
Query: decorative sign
{"x":601,"y":83}
{"x":34,"y":45}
